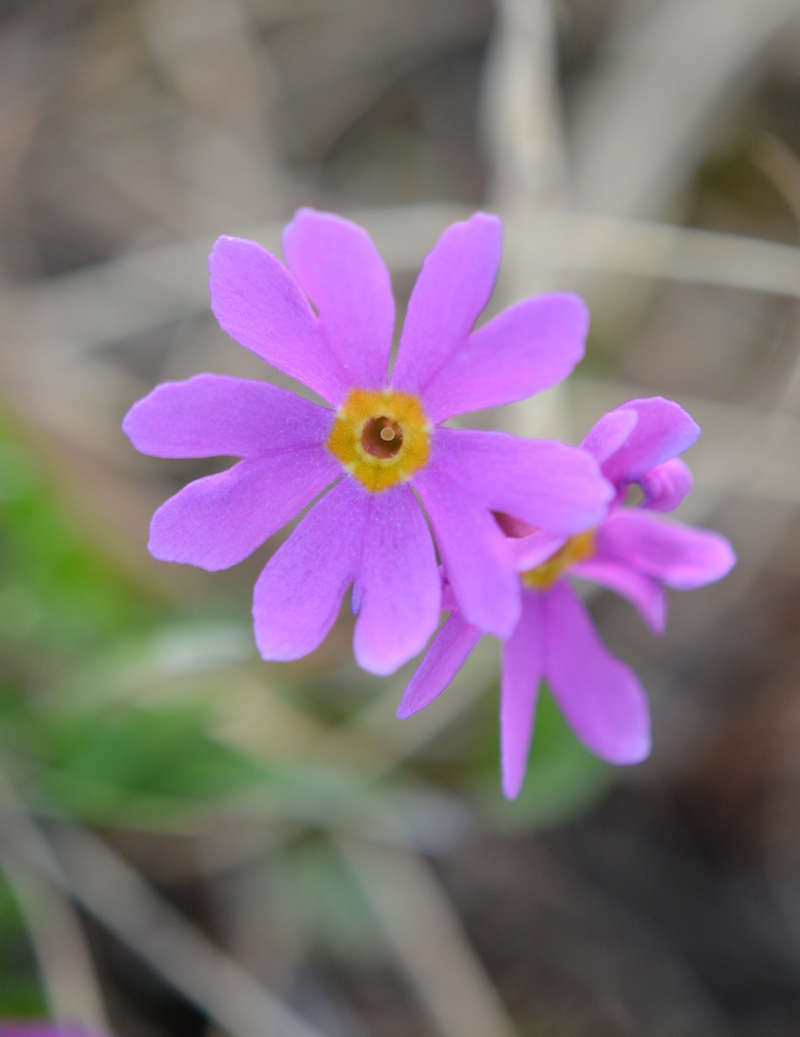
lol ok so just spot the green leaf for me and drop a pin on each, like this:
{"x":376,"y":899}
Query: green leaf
{"x":20,"y":991}
{"x":132,"y":765}
{"x":56,"y":588}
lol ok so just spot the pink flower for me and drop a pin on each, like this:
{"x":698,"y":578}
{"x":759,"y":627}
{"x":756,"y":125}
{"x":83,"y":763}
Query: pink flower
{"x":382,"y":446}
{"x":633,"y":552}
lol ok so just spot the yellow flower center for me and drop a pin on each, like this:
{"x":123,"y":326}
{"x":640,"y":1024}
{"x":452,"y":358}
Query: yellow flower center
{"x":381,"y":437}
{"x":576,"y":549}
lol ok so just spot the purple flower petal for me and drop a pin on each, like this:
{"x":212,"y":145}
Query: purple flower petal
{"x":472,"y":474}
{"x":666,"y":485}
{"x":599,"y":695}
{"x":258,"y":302}
{"x":479,"y":564}
{"x":452,"y":289}
{"x":530,"y":551}
{"x":554,"y":487}
{"x":297,"y":596}
{"x":663,"y":431}
{"x":526,"y":349}
{"x":610,"y":433}
{"x":338,"y":266}
{"x":646,"y":594}
{"x":212,"y":415}
{"x":444,"y":659}
{"x":399,"y":582}
{"x":217,"y":521}
{"x":523,"y":663}
{"x":677,"y":555}
{"x":448,"y":598}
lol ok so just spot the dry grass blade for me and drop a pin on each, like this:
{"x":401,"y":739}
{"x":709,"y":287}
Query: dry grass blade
{"x":646,"y":113}
{"x":130,"y":295}
{"x":428,"y":939}
{"x":520,"y":108}
{"x":148,"y":287}
{"x":120,"y":898}
{"x":122,"y":901}
{"x":70,"y":984}
{"x":574,"y":242}
{"x":523,"y":133}
{"x":781,"y":165}
{"x":522,"y":127}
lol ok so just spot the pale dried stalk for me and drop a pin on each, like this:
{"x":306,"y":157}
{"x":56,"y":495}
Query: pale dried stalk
{"x":428,"y":939}
{"x":124,"y":902}
{"x":68,"y":977}
{"x":575,"y":242}
{"x":652,"y":109}
{"x":89,"y":871}
{"x":521,"y":126}
{"x":75,"y":313}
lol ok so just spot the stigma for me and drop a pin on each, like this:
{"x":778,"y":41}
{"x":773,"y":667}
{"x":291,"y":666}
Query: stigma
{"x":381,"y":437}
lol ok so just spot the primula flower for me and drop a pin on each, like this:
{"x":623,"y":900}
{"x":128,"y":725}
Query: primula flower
{"x":633,"y":552}
{"x":382,"y":447}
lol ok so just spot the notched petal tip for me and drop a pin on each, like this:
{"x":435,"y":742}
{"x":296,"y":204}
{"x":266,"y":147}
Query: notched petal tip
{"x":309,"y":225}
{"x":400,"y":580}
{"x":490,"y":219}
{"x":222,"y":239}
{"x":162,"y":553}
{"x":226,"y":247}
{"x":571,"y":311}
{"x":454,"y":285}
{"x":382,"y":662}
{"x":526,"y":349}
{"x":308,"y":214}
{"x":304,"y":211}
{"x":297,"y":597}
{"x":258,"y":302}
{"x":337,"y":265}
{"x":219,"y":416}
{"x":149,"y":424}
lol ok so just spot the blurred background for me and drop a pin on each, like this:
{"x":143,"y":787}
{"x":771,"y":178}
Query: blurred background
{"x":194,"y":841}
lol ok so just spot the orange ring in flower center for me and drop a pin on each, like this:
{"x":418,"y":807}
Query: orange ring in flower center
{"x":381,"y":437}
{"x":576,"y":549}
